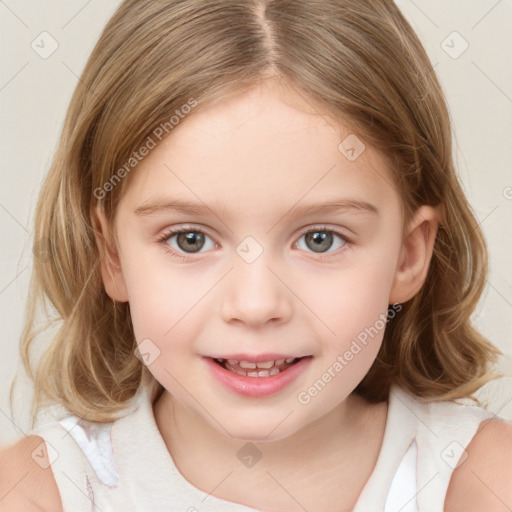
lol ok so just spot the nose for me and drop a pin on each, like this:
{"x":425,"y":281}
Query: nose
{"x":255,"y":293}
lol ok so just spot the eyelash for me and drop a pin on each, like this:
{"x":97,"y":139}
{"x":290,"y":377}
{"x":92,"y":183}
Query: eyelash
{"x":169,"y":234}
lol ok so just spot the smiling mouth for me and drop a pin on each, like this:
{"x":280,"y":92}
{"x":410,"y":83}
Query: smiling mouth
{"x":261,"y":369}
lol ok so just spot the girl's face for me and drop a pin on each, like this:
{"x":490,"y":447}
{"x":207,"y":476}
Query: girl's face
{"x":293,"y":246}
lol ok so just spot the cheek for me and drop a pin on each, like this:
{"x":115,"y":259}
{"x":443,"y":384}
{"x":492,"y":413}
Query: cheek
{"x":352,"y":305}
{"x":162,"y":305}
{"x":352,"y":299}
{"x":158,"y":293}
{"x":169,"y":305}
{"x":344,"y":303}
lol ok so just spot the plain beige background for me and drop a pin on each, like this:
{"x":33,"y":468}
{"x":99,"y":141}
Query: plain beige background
{"x":44,"y":46}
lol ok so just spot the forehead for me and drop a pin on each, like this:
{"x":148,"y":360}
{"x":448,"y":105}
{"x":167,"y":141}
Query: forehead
{"x":262,"y":149}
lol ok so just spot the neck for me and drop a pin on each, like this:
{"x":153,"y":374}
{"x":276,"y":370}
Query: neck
{"x":332,"y":456}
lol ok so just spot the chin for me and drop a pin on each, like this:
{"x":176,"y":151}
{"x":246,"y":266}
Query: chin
{"x":254,"y":434}
{"x":260,"y":427}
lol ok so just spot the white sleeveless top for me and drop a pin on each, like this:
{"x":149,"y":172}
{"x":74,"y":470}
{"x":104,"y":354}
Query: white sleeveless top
{"x":125,"y":465}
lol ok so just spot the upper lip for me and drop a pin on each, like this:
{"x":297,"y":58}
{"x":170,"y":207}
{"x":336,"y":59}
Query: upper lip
{"x":257,"y":358}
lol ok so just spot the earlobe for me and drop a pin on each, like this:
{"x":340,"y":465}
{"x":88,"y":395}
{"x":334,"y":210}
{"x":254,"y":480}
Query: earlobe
{"x":111,"y":271}
{"x":415,"y":255}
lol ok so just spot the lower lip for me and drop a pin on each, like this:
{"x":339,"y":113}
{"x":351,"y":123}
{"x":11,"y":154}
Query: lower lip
{"x":257,"y":386}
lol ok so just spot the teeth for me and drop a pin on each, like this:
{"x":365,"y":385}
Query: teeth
{"x":245,"y":373}
{"x":250,"y":369}
{"x":246,"y":364}
{"x":262,"y":373}
{"x":266,"y":365}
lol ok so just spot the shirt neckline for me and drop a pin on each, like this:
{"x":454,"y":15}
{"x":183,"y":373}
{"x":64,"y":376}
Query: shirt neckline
{"x":397,"y":437}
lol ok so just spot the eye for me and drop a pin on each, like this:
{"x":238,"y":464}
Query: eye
{"x":187,"y":240}
{"x":320,"y":239}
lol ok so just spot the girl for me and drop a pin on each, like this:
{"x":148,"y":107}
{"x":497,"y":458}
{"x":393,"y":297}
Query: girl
{"x":314,"y":351}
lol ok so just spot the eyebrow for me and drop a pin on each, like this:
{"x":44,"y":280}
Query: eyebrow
{"x":165,"y":205}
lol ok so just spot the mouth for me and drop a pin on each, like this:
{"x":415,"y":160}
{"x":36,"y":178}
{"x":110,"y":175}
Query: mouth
{"x":257,"y":376}
{"x":257,"y":369}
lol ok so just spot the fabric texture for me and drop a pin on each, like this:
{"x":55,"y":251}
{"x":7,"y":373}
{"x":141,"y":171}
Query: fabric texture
{"x":125,"y":465}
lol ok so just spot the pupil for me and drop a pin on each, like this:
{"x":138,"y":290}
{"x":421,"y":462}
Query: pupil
{"x":322,"y":240}
{"x":192,"y":239}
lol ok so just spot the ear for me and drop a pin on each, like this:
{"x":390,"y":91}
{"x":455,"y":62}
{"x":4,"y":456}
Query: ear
{"x":111,"y":271}
{"x":415,"y":255}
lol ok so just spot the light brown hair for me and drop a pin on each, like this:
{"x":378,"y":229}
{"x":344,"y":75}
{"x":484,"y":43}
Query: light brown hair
{"x":357,"y":60}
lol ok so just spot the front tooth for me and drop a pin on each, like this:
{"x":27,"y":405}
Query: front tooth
{"x":279,"y":362}
{"x":252,"y":374}
{"x":263,"y":373}
{"x":232,"y":361}
{"x":274,"y":370}
{"x":246,"y":364}
{"x":290,"y":359}
{"x":266,"y":365}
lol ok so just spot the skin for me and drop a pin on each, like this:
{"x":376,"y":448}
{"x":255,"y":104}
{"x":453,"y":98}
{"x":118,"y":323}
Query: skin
{"x":251,"y":159}
{"x":315,"y":457}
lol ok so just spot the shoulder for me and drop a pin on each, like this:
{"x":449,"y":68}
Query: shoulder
{"x":26,"y":478}
{"x":482,"y":480}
